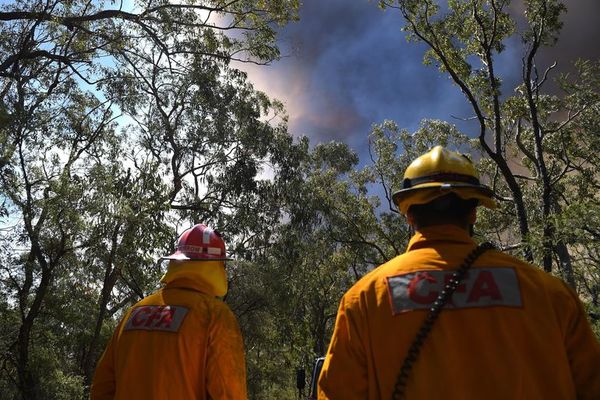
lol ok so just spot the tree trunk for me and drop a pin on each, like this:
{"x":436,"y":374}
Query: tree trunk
{"x":565,"y":264}
{"x":89,"y":360}
{"x":110,"y":279}
{"x":26,"y":381}
{"x":517,"y":195}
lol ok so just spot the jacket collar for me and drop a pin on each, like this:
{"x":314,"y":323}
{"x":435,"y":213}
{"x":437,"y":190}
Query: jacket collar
{"x":427,"y":237}
{"x":208,"y":277}
{"x":190,"y":284}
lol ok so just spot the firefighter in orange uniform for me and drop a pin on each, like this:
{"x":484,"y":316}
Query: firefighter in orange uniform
{"x":181,"y":342}
{"x":435,"y":324}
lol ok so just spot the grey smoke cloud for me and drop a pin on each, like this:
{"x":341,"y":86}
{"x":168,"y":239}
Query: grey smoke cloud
{"x":347,"y":65}
{"x":580,"y":34}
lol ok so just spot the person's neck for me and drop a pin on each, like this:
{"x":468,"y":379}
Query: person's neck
{"x":464,"y":226}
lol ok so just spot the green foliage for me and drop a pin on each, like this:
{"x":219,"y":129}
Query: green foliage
{"x":118,"y":129}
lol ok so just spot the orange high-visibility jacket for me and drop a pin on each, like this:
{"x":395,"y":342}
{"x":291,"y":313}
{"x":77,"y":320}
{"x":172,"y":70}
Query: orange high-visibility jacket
{"x":178,"y":343}
{"x":510,"y":331}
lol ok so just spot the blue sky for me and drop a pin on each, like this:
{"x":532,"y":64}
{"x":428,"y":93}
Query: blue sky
{"x":347,"y":65}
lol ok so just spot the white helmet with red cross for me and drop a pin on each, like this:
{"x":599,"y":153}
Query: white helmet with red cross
{"x":199,"y":243}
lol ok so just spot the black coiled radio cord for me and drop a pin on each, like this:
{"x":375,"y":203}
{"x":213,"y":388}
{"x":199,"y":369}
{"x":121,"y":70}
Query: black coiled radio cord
{"x":434,"y":312}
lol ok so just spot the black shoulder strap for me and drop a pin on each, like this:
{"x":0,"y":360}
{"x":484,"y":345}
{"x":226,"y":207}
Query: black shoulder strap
{"x":434,"y":312}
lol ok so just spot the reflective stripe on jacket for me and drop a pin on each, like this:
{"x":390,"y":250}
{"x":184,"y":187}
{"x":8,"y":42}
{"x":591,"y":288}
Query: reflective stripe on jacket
{"x":510,"y":331}
{"x":178,"y":343}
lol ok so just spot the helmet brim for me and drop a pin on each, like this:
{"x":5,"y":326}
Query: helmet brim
{"x":427,"y":192}
{"x":177,"y":256}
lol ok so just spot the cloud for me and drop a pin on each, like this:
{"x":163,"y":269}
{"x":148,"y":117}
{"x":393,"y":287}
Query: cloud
{"x":579,"y":35}
{"x":347,"y":65}
{"x":350,"y":67}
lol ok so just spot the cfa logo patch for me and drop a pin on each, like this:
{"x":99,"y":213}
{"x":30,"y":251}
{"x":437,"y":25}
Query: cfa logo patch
{"x":481,"y":287}
{"x":156,"y":318}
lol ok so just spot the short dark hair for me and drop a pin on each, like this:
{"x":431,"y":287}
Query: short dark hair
{"x":448,"y":209}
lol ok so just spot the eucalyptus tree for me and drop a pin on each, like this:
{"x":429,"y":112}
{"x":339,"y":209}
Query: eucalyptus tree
{"x":338,"y":223}
{"x":43,"y":145}
{"x":206,"y":128}
{"x":329,"y":234}
{"x":127,"y":228}
{"x":574,"y":149}
{"x":43,"y":41}
{"x":520,"y":130}
{"x":305,"y":272}
{"x":76,"y":34}
{"x":86,"y":199}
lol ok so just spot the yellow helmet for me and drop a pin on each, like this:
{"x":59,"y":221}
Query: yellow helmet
{"x":437,"y":173}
